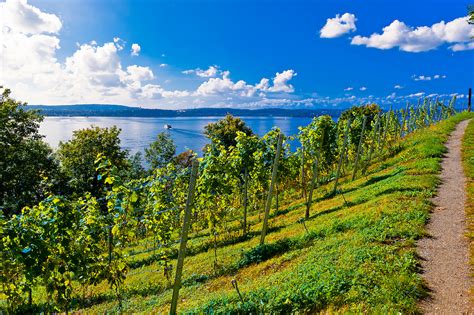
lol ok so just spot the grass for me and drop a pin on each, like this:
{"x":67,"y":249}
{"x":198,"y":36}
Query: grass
{"x":468,"y":162}
{"x":358,"y":253}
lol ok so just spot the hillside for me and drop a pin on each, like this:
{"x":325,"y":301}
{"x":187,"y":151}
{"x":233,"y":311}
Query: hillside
{"x":127,"y":111}
{"x":356,"y":252}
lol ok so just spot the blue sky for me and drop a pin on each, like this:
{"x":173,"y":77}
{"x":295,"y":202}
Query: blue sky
{"x":227,"y":50}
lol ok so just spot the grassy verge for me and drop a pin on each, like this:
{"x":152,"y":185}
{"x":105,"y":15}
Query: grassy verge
{"x":468,"y":161}
{"x":356,"y":253}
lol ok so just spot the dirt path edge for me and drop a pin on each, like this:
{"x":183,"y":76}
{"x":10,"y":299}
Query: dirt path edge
{"x":445,"y":254}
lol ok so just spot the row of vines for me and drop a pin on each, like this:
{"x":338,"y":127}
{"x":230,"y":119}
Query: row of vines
{"x":63,"y":245}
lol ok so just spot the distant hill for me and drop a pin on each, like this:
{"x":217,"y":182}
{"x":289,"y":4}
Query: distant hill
{"x":127,"y":111}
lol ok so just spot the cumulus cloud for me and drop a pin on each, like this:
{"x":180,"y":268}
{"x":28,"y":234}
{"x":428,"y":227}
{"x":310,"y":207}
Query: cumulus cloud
{"x":225,"y":84}
{"x":398,"y":87}
{"x":338,"y":26}
{"x":219,"y":85}
{"x":350,"y":88}
{"x":421,"y":38}
{"x":280,"y":82}
{"x":363,"y":88}
{"x":211,"y":72}
{"x":135,"y":50}
{"x":163,"y":65}
{"x":20,"y":17}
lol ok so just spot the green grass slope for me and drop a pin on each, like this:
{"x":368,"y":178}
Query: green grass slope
{"x":356,"y":253}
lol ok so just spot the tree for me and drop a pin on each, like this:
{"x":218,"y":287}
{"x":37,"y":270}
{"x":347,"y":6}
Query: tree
{"x":161,"y":151}
{"x":78,"y":156}
{"x":185,"y":159}
{"x":135,"y":167}
{"x":225,"y":130}
{"x":27,"y":166}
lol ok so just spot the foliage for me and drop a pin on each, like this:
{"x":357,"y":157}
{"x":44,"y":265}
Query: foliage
{"x":28,"y":168}
{"x":356,"y":115}
{"x":318,"y":138}
{"x":184,"y":159}
{"x":77,"y":156}
{"x":225,"y":130}
{"x":345,"y":249}
{"x":161,"y":151}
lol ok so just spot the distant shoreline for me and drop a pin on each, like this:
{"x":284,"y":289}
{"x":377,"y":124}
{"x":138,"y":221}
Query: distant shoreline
{"x":96,"y":110}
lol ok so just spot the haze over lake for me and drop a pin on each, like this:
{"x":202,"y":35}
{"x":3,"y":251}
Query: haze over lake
{"x":137,"y":132}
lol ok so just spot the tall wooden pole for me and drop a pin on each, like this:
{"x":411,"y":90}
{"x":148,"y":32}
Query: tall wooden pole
{"x":270,"y":190}
{"x":184,"y":238}
{"x":469,"y":100}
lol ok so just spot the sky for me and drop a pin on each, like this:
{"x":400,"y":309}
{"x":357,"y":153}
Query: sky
{"x":235,"y":53}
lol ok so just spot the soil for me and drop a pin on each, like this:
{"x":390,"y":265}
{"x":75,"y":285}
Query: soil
{"x":445,"y":254}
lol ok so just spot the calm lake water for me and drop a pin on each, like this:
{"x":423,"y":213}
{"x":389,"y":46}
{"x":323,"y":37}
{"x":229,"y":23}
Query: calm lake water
{"x":137,"y":132}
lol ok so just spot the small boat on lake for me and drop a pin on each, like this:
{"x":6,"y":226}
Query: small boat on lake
{"x":166,"y":126}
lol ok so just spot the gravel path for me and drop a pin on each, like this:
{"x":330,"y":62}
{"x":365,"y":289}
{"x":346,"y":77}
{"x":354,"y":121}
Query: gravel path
{"x":445,"y":255}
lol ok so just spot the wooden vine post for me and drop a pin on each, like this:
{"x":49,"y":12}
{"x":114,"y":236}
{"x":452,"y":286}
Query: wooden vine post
{"x":184,"y":237}
{"x":270,"y":190}
{"x":359,"y":147}
{"x":469,"y":100}
{"x":342,"y":155}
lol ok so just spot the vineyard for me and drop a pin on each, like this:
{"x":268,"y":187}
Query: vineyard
{"x":250,"y":227}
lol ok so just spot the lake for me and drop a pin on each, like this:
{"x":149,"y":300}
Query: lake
{"x":138,"y":132}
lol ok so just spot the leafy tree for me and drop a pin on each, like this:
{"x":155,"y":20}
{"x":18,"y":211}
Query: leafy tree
{"x":161,"y":151}
{"x":27,"y":166}
{"x":135,"y":169}
{"x":78,"y":155}
{"x":225,"y":130}
{"x":185,"y":159}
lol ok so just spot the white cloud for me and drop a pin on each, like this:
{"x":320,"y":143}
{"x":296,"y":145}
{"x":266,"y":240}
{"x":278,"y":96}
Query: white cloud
{"x":163,"y":65}
{"x":219,"y":85}
{"x":280,"y":82}
{"x":19,"y":17}
{"x":338,"y":26}
{"x":211,"y":72}
{"x":421,"y":38}
{"x":135,"y":51}
{"x":428,"y":78}
{"x":362,"y":88}
{"x":350,"y":88}
{"x":138,"y":73}
{"x":462,"y":46}
{"x":421,"y":78}
{"x":419,"y":94}
{"x":398,"y":87}
{"x":225,"y":84}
